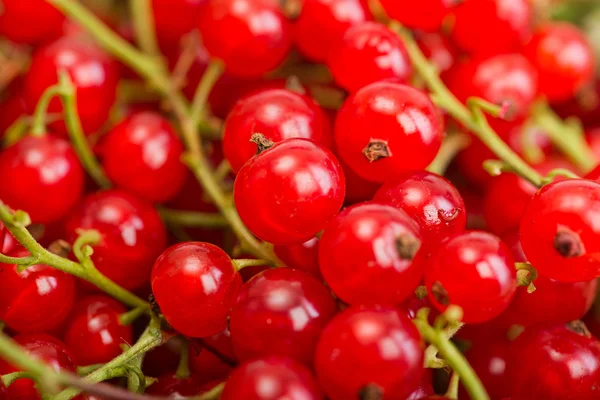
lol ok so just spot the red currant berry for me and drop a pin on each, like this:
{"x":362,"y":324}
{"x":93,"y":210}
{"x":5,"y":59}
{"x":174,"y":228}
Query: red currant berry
{"x":175,"y":18}
{"x":424,"y":389}
{"x":322,"y":23}
{"x":174,"y":387}
{"x":371,"y":243}
{"x":37,"y":299}
{"x":429,"y":199}
{"x":133,"y":235}
{"x":45,"y":166}
{"x":30,"y":22}
{"x":473,"y":270}
{"x":288,"y":192}
{"x":563,"y":58}
{"x":12,"y":104}
{"x":252,"y":37}
{"x":271,"y":378}
{"x":559,"y":232}
{"x":142,"y":154}
{"x":425,"y":15}
{"x":375,"y":51}
{"x":94,"y":74}
{"x":387,"y":128}
{"x":438,"y":49}
{"x":491,"y":26}
{"x":351,"y":361}
{"x":195,"y":284}
{"x":278,"y":114}
{"x":212,"y":358}
{"x":358,"y":189}
{"x":94,"y":333}
{"x":489,"y":357}
{"x":280,"y":312}
{"x":304,"y":257}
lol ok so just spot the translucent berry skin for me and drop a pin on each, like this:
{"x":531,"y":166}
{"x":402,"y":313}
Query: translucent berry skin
{"x":175,"y":18}
{"x":133,"y":235}
{"x":252,"y":37}
{"x":387,"y":128}
{"x":375,"y":51}
{"x":553,"y":362}
{"x":473,"y":270}
{"x":94,"y":333}
{"x":304,"y":257}
{"x":559,"y":232}
{"x":30,"y":22}
{"x":371,"y":243}
{"x":350,"y":355}
{"x":564,"y":59}
{"x":429,"y":199}
{"x":322,"y":23}
{"x":195,"y":284}
{"x":94,"y":74}
{"x":46,"y":166}
{"x":280,"y":312}
{"x":286,"y":194}
{"x":142,"y":154}
{"x":278,"y":114}
{"x":35,"y":300}
{"x":491,"y":26}
{"x":172,"y":386}
{"x":425,"y":15}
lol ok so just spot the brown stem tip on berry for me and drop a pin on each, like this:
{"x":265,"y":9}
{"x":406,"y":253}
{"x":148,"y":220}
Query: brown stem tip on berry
{"x":261,"y":142}
{"x":579,"y":328}
{"x":449,"y":215}
{"x":568,"y":243}
{"x":407,"y":246}
{"x":440,"y":293}
{"x":376,"y":150}
{"x":370,"y":391}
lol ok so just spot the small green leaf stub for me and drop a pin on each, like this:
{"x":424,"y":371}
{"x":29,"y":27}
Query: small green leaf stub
{"x":440,"y":293}
{"x":376,"y":150}
{"x":407,"y":246}
{"x":370,"y":391}
{"x":568,"y":243}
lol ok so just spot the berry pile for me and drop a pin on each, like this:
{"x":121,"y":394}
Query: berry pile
{"x":299,"y":200}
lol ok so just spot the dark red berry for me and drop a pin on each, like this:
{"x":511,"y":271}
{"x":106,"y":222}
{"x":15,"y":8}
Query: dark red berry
{"x":425,"y":15}
{"x":304,"y":257}
{"x":174,"y":387}
{"x":174,"y":18}
{"x":212,"y":357}
{"x":358,"y":189}
{"x":490,"y":358}
{"x":439,"y":50}
{"x":30,"y":22}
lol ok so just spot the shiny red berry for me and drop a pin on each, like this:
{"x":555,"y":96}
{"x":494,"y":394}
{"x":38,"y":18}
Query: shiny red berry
{"x":30,"y":22}
{"x":439,"y":50}
{"x":277,"y":114}
{"x":288,"y":192}
{"x":133,"y":235}
{"x":490,"y":358}
{"x":195,"y":284}
{"x":304,"y":256}
{"x":425,"y":15}
{"x":44,"y":167}
{"x":174,"y":18}
{"x":212,"y":357}
{"x":387,"y":128}
{"x":142,"y":154}
{"x":473,"y":270}
{"x":174,"y":387}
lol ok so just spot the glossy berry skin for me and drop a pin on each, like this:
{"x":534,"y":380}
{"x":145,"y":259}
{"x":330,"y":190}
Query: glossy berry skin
{"x":554,"y":362}
{"x":30,"y":22}
{"x":195,"y":284}
{"x":44,"y":347}
{"x":35,"y":300}
{"x":559,"y":232}
{"x":46,"y":166}
{"x":350,"y":356}
{"x":252,"y":37}
{"x":375,"y":51}
{"x":94,"y":74}
{"x":172,"y":386}
{"x":287,"y":193}
{"x":373,"y":243}
{"x":425,"y":15}
{"x":439,"y":50}
{"x":142,"y":154}
{"x":491,"y":26}
{"x":564,"y":59}
{"x":387,"y":128}
{"x":278,"y":114}
{"x":304,"y":257}
{"x":271,"y":378}
{"x":133,"y":235}
{"x":490,"y":358}
{"x":322,"y":23}
{"x":280,"y":312}
{"x":175,"y":18}
{"x":473,"y":270}
{"x":429,"y":199}
{"x":94,"y":333}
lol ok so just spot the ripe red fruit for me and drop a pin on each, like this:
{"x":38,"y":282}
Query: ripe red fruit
{"x":358,"y":189}
{"x":369,"y":52}
{"x":490,"y":358}
{"x":94,"y":74}
{"x":142,"y":154}
{"x":387,"y":128}
{"x":438,"y":49}
{"x":351,"y":359}
{"x":30,"y":22}
{"x":304,"y":257}
{"x":491,"y":26}
{"x":94,"y":332}
{"x":252,"y":37}
{"x":431,"y":200}
{"x":280,"y":312}
{"x":322,"y":23}
{"x":425,"y":15}
{"x":212,"y":357}
{"x":174,"y":387}
{"x":175,"y":18}
{"x":133,"y":235}
{"x":473,"y":270}
{"x":277,"y":114}
{"x":559,"y":232}
{"x":288,"y":192}
{"x":564,"y":59}
{"x":371,"y":243}
{"x":195,"y":284}
{"x":41,"y":167}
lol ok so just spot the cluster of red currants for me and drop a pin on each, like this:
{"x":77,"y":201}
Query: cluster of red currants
{"x":330,"y":184}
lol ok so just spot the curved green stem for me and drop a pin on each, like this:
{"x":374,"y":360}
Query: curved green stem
{"x":15,"y":131}
{"x":183,"y":369}
{"x":451,"y":146}
{"x":212,"y":74}
{"x":243,"y":263}
{"x":193,"y":219}
{"x":143,"y":25}
{"x":38,"y":126}
{"x":130,"y":316}
{"x":452,"y":392}
{"x":8,"y":379}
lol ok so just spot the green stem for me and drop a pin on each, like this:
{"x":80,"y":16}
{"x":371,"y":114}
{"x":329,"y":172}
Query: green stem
{"x":38,"y":126}
{"x":243,"y":263}
{"x":130,"y":316}
{"x":8,"y":379}
{"x":88,"y":369}
{"x":212,"y":74}
{"x":183,"y":369}
{"x":143,"y":25}
{"x":451,"y":146}
{"x":452,"y":392}
{"x":193,"y":219}
{"x":15,"y":131}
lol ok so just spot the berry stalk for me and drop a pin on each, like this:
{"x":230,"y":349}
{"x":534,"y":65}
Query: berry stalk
{"x":38,"y":126}
{"x":143,"y":25}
